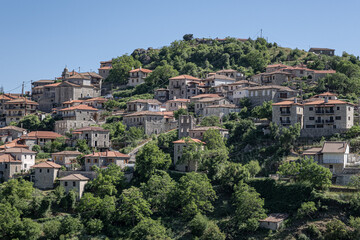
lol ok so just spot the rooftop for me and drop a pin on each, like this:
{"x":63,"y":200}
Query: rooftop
{"x":13,"y":128}
{"x":85,"y":129}
{"x":41,"y":134}
{"x":19,"y":150}
{"x":207,"y":128}
{"x":67,"y":153}
{"x":8,"y":158}
{"x":47,"y":164}
{"x":74,"y":177}
{"x":153,"y":101}
{"x":108,"y":154}
{"x":187,"y":77}
{"x":150,"y":113}
{"x":275,"y":217}
{"x":334,"y":147}
{"x":186,"y":140}
{"x":205,"y":96}
{"x":80,"y":107}
{"x":141,"y":70}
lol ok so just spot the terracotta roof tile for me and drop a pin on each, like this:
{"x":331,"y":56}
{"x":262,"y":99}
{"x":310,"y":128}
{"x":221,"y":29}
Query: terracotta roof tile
{"x":141,"y":70}
{"x":67,"y":153}
{"x":8,"y":159}
{"x":190,"y":140}
{"x":19,"y":150}
{"x":205,"y":96}
{"x":80,"y":107}
{"x":47,"y":164}
{"x":334,"y":147}
{"x":153,"y":101}
{"x":108,"y":154}
{"x":21,"y":100}
{"x":74,"y":177}
{"x":98,"y":129}
{"x":41,"y":134}
{"x":187,"y":77}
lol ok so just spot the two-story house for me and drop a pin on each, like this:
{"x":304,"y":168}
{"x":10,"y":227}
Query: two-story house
{"x":96,"y":137}
{"x":16,"y":109}
{"x":137,"y":76}
{"x":103,"y":159}
{"x":176,"y":104}
{"x":105,"y":67}
{"x":288,"y":113}
{"x":139,"y":105}
{"x":184,"y":86}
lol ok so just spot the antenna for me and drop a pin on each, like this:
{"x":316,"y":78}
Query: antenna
{"x":79,"y":69}
{"x":260,"y":33}
{"x":22,"y":89}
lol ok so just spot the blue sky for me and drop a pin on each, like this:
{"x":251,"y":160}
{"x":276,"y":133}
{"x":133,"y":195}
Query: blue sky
{"x":38,"y":38}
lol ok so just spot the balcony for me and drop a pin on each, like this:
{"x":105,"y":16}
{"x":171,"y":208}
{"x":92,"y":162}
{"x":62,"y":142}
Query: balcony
{"x":324,"y":111}
{"x":285,"y":112}
{"x":319,"y":121}
{"x":330,"y":121}
{"x":285,"y":122}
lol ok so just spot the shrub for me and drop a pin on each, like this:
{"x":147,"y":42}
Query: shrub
{"x":198,"y":224}
{"x":336,"y":230}
{"x":51,"y":229}
{"x":94,"y":226}
{"x":307,"y":209}
{"x":313,"y":232}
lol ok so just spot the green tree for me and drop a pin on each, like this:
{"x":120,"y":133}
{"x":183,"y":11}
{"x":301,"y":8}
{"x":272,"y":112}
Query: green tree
{"x":109,"y":181}
{"x":94,"y":226}
{"x":249,"y":207}
{"x":158,"y":191}
{"x":213,"y":139}
{"x":149,"y":229}
{"x":82,"y":146}
{"x":179,"y":112}
{"x":210,"y":121}
{"x":71,"y":226}
{"x":149,"y":159}
{"x":161,"y":75}
{"x":133,"y":207}
{"x":336,"y":230}
{"x":10,"y":217}
{"x":306,"y":170}
{"x":27,"y":229}
{"x":231,"y":173}
{"x":121,"y":66}
{"x":263,"y":111}
{"x":212,"y":232}
{"x":30,"y":122}
{"x":47,"y":124}
{"x":307,"y":209}
{"x":253,"y":167}
{"x":194,"y":194}
{"x":191,"y":153}
{"x":51,"y":229}
{"x":198,"y":225}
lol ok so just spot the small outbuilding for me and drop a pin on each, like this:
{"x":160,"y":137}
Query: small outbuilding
{"x":45,"y":174}
{"x":273,"y":221}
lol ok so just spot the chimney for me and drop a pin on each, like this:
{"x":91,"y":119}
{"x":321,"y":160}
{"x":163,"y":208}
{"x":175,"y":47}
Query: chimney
{"x":174,"y":97}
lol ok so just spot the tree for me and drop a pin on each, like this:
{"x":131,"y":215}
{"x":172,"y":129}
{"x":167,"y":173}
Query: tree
{"x":91,"y":207}
{"x":109,"y":181}
{"x":179,"y":112}
{"x":248,"y":207}
{"x":10,"y":217}
{"x":306,"y":170}
{"x":213,"y":139}
{"x":231,"y":173}
{"x":191,"y":153}
{"x":149,"y":229}
{"x":82,"y":146}
{"x":71,"y":226}
{"x":158,"y":191}
{"x":161,"y":75}
{"x":121,"y":66}
{"x":51,"y":229}
{"x":194,"y":194}
{"x":133,"y":207}
{"x":336,"y":230}
{"x":212,"y":232}
{"x":27,"y":229}
{"x":30,"y":122}
{"x":94,"y":226}
{"x":307,"y":209}
{"x":253,"y":167}
{"x":214,"y":161}
{"x":263,"y":111}
{"x":198,"y":225}
{"x":17,"y":192}
{"x":47,"y":124}
{"x":149,"y":159}
{"x":210,"y":121}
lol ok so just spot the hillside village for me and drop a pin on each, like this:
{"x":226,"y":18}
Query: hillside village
{"x":279,"y":139}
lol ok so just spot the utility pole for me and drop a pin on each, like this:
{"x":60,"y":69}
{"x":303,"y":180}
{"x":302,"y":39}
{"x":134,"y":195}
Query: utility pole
{"x":260,"y":33}
{"x":22,"y":89}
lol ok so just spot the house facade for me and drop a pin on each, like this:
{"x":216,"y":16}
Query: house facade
{"x":16,"y":109}
{"x":96,"y":137}
{"x":45,"y":174}
{"x":139,"y":105}
{"x":104,"y":159}
{"x":137,"y":76}
{"x":179,"y":146}
{"x":75,"y":182}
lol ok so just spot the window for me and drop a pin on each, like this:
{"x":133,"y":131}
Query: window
{"x":349,"y":118}
{"x":338,"y":118}
{"x":65,"y":183}
{"x":310,"y":126}
{"x":48,"y":170}
{"x":337,"y":108}
{"x":311,"y":118}
{"x":88,"y":160}
{"x":311,"y":108}
{"x":74,"y":184}
{"x":40,"y":170}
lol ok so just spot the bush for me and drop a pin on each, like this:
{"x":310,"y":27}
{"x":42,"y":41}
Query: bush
{"x":313,"y":232}
{"x":307,"y":209}
{"x":42,"y":155}
{"x":71,"y":226}
{"x":212,"y":232}
{"x":198,"y":224}
{"x":336,"y":230}
{"x":51,"y":229}
{"x":94,"y":226}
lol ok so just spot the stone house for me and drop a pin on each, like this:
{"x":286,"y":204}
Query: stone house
{"x":26,"y":156}
{"x":98,"y":102}
{"x":104,"y":159}
{"x":96,"y":137}
{"x":71,"y":103}
{"x":9,"y":133}
{"x":184,"y":86}
{"x":3,"y":99}
{"x":260,"y":94}
{"x":39,"y":138}
{"x":325,"y":117}
{"x":16,"y":143}
{"x":176,"y":104}
{"x":217,"y":79}
{"x":220,"y":110}
{"x":273,"y":221}
{"x":231,"y":73}
{"x":46,"y":99}
{"x":161,"y":94}
{"x":151,"y":122}
{"x":179,"y":145}
{"x":333,"y":155}
{"x":8,"y":166}
{"x":198,"y":132}
{"x":37,"y":89}
{"x":65,"y":158}
{"x":45,"y":174}
{"x":325,"y":51}
{"x":80,"y":112}
{"x":137,"y":76}
{"x":275,"y":67}
{"x":16,"y":109}
{"x":75,"y":182}
{"x":105,"y":67}
{"x":139,"y":105}
{"x":273,"y":78}
{"x":288,"y":113}
{"x":201,"y":104}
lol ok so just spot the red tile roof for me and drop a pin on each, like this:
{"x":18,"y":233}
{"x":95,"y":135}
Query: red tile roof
{"x":150,"y":113}
{"x":74,"y":177}
{"x":108,"y":154}
{"x":179,"y":100}
{"x":8,"y":158}
{"x":205,"y":96}
{"x":47,"y":164}
{"x":13,"y":144}
{"x":187,"y":77}
{"x":53,"y":85}
{"x":67,"y":153}
{"x":141,"y":70}
{"x":21,"y":100}
{"x":330,"y":102}
{"x":41,"y":134}
{"x":73,"y":101}
{"x":19,"y":150}
{"x":277,"y":65}
{"x":80,"y":107}
{"x":98,"y":129}
{"x":286,"y":103}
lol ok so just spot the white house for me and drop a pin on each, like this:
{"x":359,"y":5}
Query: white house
{"x":26,"y":156}
{"x":335,"y":156}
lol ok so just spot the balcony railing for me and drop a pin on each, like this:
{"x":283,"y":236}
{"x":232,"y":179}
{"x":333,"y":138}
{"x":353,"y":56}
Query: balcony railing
{"x":285,"y":122}
{"x":285,"y":112}
{"x":324,"y":111}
